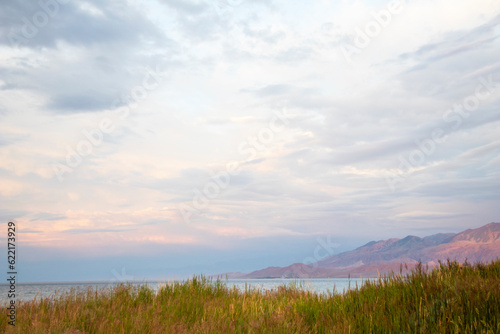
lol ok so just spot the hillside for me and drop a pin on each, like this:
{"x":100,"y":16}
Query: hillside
{"x":474,"y":245}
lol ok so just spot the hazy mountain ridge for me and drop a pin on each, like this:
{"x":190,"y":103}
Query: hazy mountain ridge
{"x":383,"y":256}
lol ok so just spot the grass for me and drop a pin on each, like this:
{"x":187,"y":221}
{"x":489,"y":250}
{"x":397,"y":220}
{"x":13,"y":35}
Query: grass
{"x":452,"y":298}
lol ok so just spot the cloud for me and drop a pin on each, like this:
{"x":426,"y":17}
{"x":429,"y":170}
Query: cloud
{"x":431,"y":215}
{"x":73,"y":23}
{"x":271,"y":90}
{"x":85,"y":231}
{"x":92,"y":73}
{"x":9,"y":138}
{"x":47,"y":216}
{"x":233,"y":120}
{"x":457,"y":42}
{"x":10,"y":215}
{"x":88,"y":102}
{"x":30,"y":231}
{"x":187,"y":7}
{"x":226,"y":69}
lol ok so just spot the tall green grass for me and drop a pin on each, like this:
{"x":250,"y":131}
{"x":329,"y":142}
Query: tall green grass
{"x":452,"y":298}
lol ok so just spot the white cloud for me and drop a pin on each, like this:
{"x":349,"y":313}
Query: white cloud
{"x":228,"y":70}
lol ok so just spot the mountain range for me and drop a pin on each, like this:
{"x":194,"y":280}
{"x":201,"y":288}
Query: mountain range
{"x":381,"y":257}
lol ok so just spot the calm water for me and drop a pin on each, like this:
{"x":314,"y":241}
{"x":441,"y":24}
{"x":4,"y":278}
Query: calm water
{"x":28,"y":291}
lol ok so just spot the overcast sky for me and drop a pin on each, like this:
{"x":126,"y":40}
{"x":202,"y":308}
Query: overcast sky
{"x":156,"y":138}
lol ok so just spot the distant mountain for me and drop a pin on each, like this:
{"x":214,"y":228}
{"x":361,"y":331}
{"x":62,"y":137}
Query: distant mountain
{"x":379,"y":257}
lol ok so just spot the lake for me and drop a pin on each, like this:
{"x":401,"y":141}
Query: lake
{"x":28,"y":291}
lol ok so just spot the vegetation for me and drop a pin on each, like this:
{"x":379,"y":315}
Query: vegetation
{"x":452,"y":298}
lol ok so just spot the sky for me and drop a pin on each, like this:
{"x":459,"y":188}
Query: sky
{"x":165,"y":138}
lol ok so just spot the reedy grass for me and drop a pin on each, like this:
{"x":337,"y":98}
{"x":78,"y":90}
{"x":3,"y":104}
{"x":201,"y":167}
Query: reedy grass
{"x":452,"y":298}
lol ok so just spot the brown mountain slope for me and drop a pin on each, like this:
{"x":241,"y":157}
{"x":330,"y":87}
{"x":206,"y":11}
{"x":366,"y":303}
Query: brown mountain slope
{"x":475,"y":245}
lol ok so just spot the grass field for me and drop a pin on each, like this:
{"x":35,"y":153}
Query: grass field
{"x":453,"y":298}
